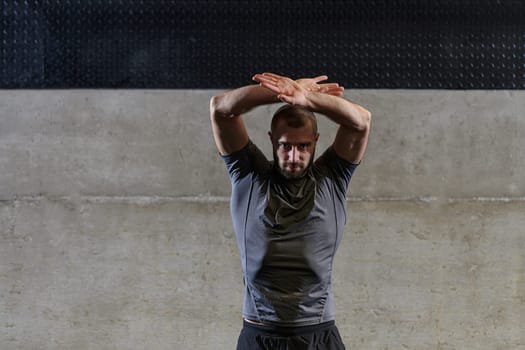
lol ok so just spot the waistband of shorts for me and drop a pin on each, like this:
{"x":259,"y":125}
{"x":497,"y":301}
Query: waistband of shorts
{"x":271,"y":329}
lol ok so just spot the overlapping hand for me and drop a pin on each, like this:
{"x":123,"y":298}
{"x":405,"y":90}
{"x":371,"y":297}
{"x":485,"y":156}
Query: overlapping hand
{"x":295,"y":92}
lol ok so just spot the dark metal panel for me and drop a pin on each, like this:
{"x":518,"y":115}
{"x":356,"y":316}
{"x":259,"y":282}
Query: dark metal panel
{"x":415,"y":44}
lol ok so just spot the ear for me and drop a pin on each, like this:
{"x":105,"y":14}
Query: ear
{"x":270,"y":135}
{"x":317,"y":137}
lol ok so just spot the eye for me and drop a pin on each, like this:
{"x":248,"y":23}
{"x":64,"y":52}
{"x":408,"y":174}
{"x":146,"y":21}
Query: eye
{"x":285,"y":146}
{"x":303,"y":146}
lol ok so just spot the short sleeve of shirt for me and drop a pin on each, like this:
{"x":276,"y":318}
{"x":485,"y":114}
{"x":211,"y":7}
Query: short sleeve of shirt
{"x":247,"y":160}
{"x":337,"y":168}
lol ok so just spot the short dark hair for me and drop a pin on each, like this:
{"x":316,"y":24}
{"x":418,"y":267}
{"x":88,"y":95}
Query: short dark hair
{"x":295,"y":117}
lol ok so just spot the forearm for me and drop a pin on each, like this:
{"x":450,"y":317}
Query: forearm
{"x":226,"y":111}
{"x":236,"y":102}
{"x":341,"y":111}
{"x":322,"y":98}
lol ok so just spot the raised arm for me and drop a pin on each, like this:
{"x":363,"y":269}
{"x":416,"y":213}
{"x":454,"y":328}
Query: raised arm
{"x":226,"y":111}
{"x":354,"y":120}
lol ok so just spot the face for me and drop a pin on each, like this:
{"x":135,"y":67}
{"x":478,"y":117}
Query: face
{"x":293,"y":149}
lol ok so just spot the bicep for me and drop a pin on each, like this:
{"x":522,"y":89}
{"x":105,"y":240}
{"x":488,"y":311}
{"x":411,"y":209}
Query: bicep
{"x":229,"y":133}
{"x":350,"y":144}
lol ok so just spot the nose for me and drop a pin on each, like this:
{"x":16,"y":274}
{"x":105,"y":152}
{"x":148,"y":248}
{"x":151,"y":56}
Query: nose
{"x":293,"y":154}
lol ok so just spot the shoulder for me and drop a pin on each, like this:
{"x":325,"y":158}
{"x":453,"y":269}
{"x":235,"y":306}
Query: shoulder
{"x":249,"y":159}
{"x":330,"y":165}
{"x":329,"y":159}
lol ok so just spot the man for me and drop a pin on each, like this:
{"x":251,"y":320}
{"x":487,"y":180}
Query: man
{"x":288,"y":215}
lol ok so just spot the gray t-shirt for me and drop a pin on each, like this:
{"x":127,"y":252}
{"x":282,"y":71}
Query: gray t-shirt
{"x":287,"y":233}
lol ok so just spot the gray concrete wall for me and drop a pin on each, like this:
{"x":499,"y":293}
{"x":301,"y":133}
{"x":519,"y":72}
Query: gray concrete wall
{"x":115,"y":230}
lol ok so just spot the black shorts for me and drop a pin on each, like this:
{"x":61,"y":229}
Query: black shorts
{"x":324,"y":336}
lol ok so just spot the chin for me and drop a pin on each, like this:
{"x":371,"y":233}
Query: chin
{"x":292,"y":175}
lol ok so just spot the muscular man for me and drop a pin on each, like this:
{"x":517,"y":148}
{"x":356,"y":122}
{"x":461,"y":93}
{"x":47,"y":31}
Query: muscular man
{"x":288,"y":214}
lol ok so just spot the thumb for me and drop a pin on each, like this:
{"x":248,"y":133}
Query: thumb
{"x":285,"y":98}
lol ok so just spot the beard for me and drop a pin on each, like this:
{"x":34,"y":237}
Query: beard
{"x":292,"y":171}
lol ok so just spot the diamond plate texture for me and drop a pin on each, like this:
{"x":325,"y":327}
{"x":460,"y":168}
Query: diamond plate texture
{"x":411,"y":44}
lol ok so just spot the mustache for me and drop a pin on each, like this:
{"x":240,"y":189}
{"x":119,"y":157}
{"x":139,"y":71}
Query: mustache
{"x":293,"y":164}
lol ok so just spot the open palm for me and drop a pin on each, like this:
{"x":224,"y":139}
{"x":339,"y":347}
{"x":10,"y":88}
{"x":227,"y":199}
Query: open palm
{"x":295,"y":92}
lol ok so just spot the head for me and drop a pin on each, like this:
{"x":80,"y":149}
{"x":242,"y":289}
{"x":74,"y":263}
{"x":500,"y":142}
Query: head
{"x":294,"y":137}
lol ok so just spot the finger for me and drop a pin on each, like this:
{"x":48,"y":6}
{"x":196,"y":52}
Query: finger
{"x":263,"y":80}
{"x":333,"y":86}
{"x":268,"y":77}
{"x":272,"y":75}
{"x":334,"y":92}
{"x":337,"y":90}
{"x":260,"y":77}
{"x":320,"y":78}
{"x":331,"y":89}
{"x":330,"y":85}
{"x":270,"y":86}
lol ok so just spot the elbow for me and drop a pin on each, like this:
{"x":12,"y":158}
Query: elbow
{"x":366,"y":119}
{"x":214,"y":106}
{"x":218,"y":107}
